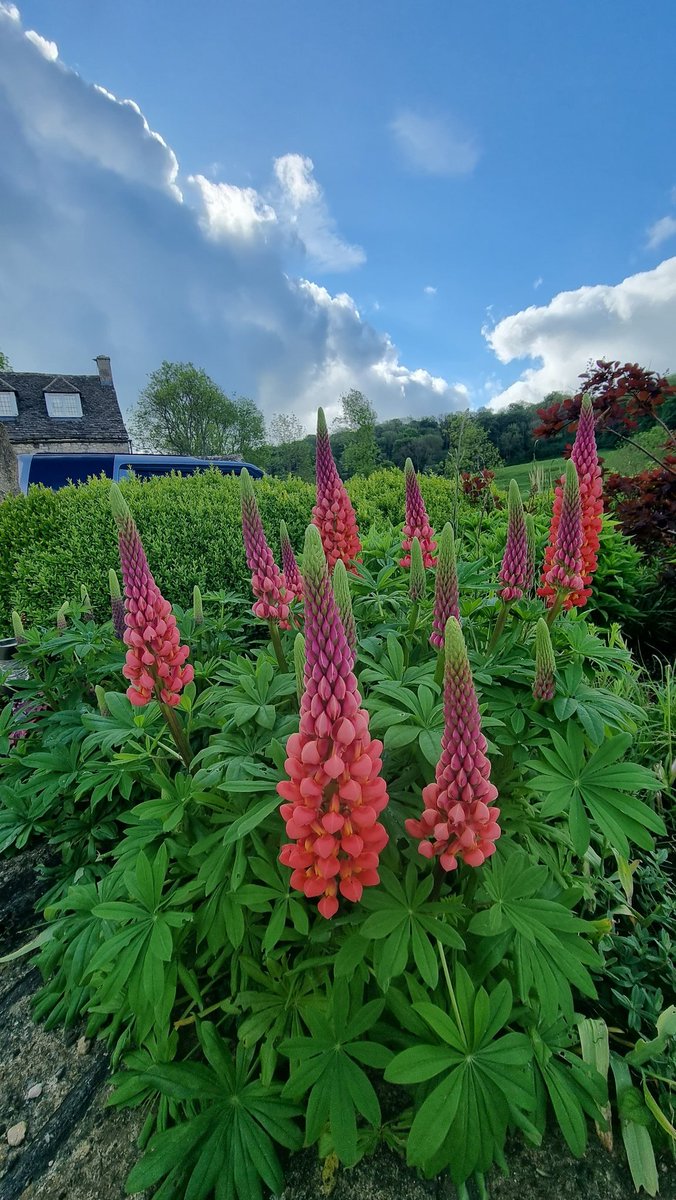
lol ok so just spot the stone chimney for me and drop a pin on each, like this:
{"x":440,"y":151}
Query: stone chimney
{"x":105,"y":374}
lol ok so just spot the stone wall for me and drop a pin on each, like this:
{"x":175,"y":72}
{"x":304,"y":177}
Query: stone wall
{"x":9,"y":477}
{"x":71,"y":447}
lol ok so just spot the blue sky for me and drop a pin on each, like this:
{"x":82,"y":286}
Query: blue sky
{"x":492,"y":186}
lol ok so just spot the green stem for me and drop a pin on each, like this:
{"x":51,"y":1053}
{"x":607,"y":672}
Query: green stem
{"x":178,"y":733}
{"x":451,"y":993}
{"x":556,"y":608}
{"x":439,"y":672}
{"x":412,"y":622}
{"x":277,"y":645}
{"x":499,"y":625}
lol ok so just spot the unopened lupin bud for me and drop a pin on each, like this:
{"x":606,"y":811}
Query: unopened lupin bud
{"x":197,"y":609}
{"x":446,"y":593}
{"x":299,"y":663}
{"x":101,"y":700}
{"x":17,"y":628}
{"x":341,"y":590}
{"x":86,"y":604}
{"x":544,"y":684}
{"x":514,"y":561}
{"x":61,"y":622}
{"x":116,"y":605}
{"x":416,"y":579}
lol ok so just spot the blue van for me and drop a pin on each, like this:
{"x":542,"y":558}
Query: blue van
{"x":56,"y":470}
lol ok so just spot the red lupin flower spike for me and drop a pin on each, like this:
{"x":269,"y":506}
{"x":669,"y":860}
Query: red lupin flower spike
{"x":563,"y":565}
{"x":417,"y":522}
{"x":333,"y":513}
{"x":459,"y":820}
{"x":155,"y":663}
{"x":335,"y":791}
{"x":267,"y":581}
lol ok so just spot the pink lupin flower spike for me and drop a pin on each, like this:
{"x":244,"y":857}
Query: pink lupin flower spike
{"x":565,"y":573}
{"x":446,"y":592}
{"x":290,"y":567}
{"x":333,"y":513}
{"x":335,"y":791}
{"x":155,"y":663}
{"x":459,"y":821}
{"x":514,"y":567}
{"x":267,"y":581}
{"x":417,"y":522}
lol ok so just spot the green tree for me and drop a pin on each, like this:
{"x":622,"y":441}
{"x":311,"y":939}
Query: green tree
{"x":182,"y":411}
{"x":285,"y":428}
{"x":360,"y":455}
{"x":5,"y":364}
{"x":469,"y":446}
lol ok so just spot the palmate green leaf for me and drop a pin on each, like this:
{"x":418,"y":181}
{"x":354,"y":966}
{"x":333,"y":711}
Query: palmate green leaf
{"x":407,"y":924}
{"x":595,"y":792}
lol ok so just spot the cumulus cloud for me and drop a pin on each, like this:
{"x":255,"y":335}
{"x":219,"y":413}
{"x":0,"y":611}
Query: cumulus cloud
{"x":434,"y":145}
{"x":661,"y":231}
{"x":50,"y":50}
{"x":429,"y":290}
{"x":633,"y":320}
{"x":106,"y":248}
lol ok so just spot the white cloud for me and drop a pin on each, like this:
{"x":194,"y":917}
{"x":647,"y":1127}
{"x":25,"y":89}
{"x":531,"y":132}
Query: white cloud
{"x":633,"y":320}
{"x":537,"y":283}
{"x":661,"y":231}
{"x":429,"y":290}
{"x":50,"y":50}
{"x":435,"y":145}
{"x":100,"y":254}
{"x":302,"y":205}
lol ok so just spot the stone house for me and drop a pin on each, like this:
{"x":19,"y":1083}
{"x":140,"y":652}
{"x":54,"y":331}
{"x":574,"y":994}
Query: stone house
{"x":67,"y":414}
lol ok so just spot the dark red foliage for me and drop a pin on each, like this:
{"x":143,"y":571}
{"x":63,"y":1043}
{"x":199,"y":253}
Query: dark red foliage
{"x":646,"y":504}
{"x":474,"y":485}
{"x":621,"y":393}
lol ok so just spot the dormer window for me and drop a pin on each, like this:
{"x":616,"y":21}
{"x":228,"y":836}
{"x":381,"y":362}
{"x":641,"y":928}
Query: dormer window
{"x":8,"y":405}
{"x":63,"y":404}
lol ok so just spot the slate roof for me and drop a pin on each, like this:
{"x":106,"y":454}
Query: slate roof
{"x":101,"y":419}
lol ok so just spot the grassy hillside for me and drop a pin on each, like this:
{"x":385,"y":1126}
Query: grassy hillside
{"x":627,"y":460}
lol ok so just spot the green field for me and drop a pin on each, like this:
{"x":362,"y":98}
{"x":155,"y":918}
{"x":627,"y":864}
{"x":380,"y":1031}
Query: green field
{"x":628,"y":460}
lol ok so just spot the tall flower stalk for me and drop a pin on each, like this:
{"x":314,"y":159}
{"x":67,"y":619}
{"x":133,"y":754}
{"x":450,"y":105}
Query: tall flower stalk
{"x":267,"y":581}
{"x":155,"y":663}
{"x":585,"y":457}
{"x":544,"y":683}
{"x":333,"y":513}
{"x":514,"y":566}
{"x":417,"y":524}
{"x":446,"y":594}
{"x":530,"y":554}
{"x":335,"y":791}
{"x":459,"y":821}
{"x":562,"y":574}
{"x":290,"y":567}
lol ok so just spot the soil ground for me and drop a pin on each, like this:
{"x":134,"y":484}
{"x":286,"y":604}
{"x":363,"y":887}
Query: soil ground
{"x":74,"y":1148}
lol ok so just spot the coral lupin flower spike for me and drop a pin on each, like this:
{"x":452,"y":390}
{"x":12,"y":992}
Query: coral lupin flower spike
{"x":333,"y":513}
{"x":335,"y":791}
{"x":155,"y":664}
{"x":563,"y":565}
{"x":585,"y":457}
{"x":459,"y":820}
{"x":417,"y":522}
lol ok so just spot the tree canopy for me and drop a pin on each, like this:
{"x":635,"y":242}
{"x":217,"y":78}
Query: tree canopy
{"x":182,"y":411}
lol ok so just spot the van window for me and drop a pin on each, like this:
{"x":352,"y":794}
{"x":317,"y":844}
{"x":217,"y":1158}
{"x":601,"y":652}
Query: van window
{"x":152,"y":470}
{"x":56,"y":470}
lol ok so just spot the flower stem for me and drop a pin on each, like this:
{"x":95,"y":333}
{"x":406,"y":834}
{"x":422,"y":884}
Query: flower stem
{"x":178,"y":733}
{"x":556,"y":608}
{"x":277,"y":645}
{"x":412,"y":623}
{"x":451,"y":993}
{"x":499,"y":626}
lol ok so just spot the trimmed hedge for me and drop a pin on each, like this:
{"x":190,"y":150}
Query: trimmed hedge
{"x":52,"y":542}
